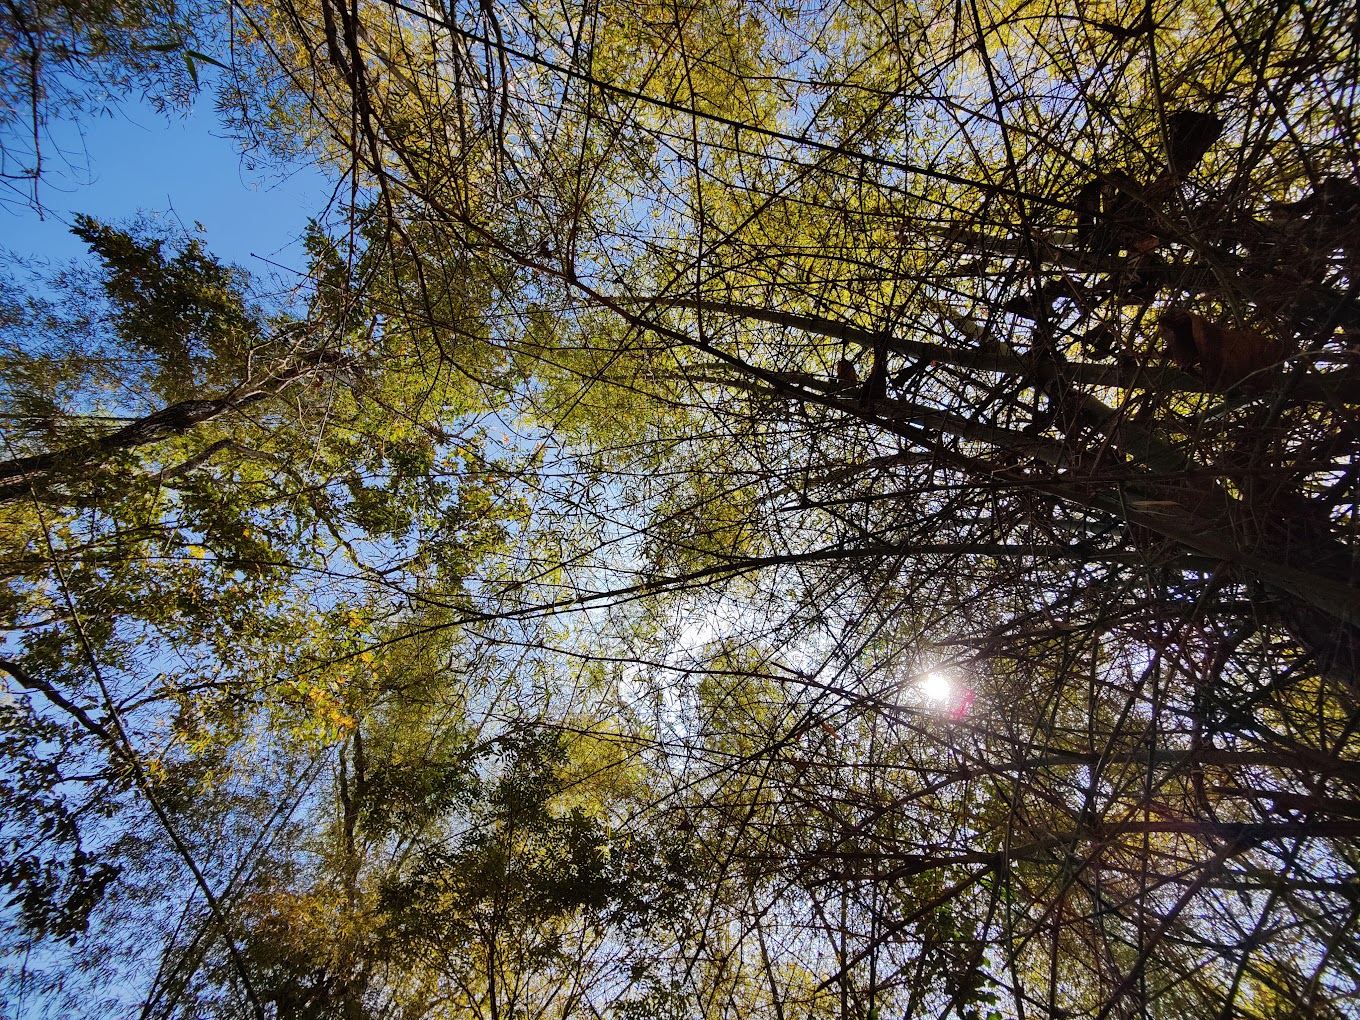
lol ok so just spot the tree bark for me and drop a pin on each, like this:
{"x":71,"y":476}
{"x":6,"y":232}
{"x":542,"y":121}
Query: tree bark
{"x":32,"y":476}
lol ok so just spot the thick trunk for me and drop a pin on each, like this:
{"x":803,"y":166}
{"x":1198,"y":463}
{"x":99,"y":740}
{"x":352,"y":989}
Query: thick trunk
{"x":1338,"y":386}
{"x":32,"y":476}
{"x":21,"y":475}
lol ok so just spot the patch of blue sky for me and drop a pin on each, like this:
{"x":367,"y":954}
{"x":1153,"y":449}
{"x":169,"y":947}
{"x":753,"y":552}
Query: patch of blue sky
{"x":184,"y":168}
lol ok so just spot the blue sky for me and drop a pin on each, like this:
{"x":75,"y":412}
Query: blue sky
{"x":137,"y":161}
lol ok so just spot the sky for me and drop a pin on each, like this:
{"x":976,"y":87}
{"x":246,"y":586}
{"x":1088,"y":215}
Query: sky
{"x":137,"y":161}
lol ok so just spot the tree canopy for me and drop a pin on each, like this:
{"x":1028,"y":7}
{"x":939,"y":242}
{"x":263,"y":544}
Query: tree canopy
{"x":749,"y":509}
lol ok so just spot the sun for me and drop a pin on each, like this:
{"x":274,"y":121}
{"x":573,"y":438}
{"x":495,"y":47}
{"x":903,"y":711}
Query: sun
{"x":936,"y":687}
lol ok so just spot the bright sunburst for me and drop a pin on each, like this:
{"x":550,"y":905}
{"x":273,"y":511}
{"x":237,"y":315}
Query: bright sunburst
{"x":936,"y":687}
